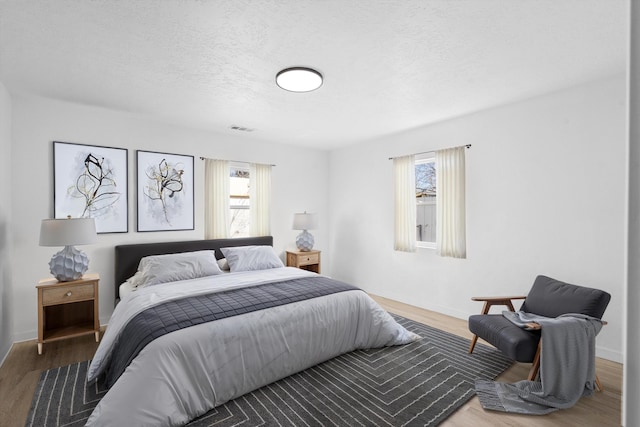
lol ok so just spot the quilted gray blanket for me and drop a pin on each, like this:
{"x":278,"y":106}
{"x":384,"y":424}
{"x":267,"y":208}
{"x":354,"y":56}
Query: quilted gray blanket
{"x":567,"y":367}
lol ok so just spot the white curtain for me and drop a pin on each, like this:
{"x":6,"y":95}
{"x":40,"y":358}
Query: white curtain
{"x":260,"y":197}
{"x":404,"y":172}
{"x":450,"y":189}
{"x":216,"y":199}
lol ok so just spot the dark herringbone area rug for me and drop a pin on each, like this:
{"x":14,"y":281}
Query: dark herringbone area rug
{"x":416,"y":384}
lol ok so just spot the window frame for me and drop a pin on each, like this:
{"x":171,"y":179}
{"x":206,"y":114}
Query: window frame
{"x":423,"y":158}
{"x":243,"y":167}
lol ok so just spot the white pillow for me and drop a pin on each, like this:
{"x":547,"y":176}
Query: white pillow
{"x":246,"y":258}
{"x":157,"y":269}
{"x":223,"y":264}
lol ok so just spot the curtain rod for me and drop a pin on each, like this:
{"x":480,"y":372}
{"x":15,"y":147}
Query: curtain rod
{"x":433,"y":151}
{"x":234,"y":161}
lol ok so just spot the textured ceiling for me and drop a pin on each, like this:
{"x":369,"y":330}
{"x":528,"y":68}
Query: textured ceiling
{"x":388,"y":65}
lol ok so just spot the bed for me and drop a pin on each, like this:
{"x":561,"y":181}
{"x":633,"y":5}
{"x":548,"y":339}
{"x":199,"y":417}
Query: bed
{"x":175,"y":349}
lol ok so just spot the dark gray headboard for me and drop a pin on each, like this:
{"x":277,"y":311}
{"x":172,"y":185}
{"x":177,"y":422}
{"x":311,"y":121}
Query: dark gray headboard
{"x":128,"y":256}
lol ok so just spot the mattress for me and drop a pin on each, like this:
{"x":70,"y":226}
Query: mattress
{"x":125,"y":289}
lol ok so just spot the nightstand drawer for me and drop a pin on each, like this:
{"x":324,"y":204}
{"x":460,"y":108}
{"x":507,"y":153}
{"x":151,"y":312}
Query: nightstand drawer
{"x":308,"y":259}
{"x":64,"y":294}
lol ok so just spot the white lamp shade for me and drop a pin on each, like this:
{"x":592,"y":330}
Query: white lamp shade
{"x":67,"y":232}
{"x":305,"y":221}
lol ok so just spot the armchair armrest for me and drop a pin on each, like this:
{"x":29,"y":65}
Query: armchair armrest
{"x":497,"y":299}
{"x":489,"y":301}
{"x":536,"y":326}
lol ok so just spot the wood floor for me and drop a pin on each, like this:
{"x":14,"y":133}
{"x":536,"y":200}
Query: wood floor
{"x":20,"y":372}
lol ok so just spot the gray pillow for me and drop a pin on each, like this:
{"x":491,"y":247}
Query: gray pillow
{"x":248,"y":258}
{"x":156,"y":269}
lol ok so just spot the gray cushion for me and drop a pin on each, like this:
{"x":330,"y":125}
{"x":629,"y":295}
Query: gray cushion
{"x":551,"y":298}
{"x":515,"y":342}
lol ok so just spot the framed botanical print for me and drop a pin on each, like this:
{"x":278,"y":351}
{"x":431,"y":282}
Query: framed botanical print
{"x":165,"y":191}
{"x":91,"y":182}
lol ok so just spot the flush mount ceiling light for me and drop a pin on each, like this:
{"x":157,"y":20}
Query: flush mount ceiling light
{"x":299,"y":79}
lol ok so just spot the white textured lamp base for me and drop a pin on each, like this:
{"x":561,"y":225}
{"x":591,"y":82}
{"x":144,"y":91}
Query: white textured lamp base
{"x":304,"y":241}
{"x":69,"y":264}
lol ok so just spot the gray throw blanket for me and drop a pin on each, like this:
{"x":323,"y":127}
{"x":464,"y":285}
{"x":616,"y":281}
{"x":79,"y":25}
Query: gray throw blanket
{"x":567,"y":367}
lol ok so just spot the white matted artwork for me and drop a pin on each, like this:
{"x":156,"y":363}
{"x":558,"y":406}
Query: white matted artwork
{"x":91,"y":182}
{"x":165,"y":191}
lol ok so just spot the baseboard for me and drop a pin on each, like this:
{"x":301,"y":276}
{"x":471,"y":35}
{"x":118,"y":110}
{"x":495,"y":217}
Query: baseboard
{"x":5,"y":353}
{"x":25,"y":336}
{"x":451,"y":312}
{"x":448,"y":311}
{"x":606,"y":353}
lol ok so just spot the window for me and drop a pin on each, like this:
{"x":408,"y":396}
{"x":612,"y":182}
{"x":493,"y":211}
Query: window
{"x":426,"y":200}
{"x":239,"y":200}
{"x":429,"y":202}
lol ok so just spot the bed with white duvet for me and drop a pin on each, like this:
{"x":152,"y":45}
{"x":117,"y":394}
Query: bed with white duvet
{"x":184,"y":373}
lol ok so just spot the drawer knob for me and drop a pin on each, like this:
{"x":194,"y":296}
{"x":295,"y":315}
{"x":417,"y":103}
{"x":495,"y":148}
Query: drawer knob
{"x":69,"y":293}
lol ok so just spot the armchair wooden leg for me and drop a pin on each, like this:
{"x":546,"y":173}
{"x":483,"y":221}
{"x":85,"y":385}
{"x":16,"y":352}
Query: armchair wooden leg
{"x":599,"y":384}
{"x":474,"y":340}
{"x":535,"y":365}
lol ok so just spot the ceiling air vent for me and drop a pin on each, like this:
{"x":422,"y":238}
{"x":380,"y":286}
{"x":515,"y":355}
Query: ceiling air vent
{"x":241,"y":128}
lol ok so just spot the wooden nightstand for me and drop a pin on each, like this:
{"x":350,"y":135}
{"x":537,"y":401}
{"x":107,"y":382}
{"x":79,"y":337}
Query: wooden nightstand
{"x":67,"y":309}
{"x":309,"y":260}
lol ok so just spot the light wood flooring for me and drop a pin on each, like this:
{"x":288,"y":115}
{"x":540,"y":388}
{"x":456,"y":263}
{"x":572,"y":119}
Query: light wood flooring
{"x":20,"y":372}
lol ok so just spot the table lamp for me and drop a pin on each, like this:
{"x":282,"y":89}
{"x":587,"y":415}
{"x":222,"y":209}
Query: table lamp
{"x":70,"y":263}
{"x":304,"y":221}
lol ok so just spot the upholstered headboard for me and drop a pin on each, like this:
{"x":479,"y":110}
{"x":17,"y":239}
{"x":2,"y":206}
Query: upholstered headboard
{"x":128,"y":256}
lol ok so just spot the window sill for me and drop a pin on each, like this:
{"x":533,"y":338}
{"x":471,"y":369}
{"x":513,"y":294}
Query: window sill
{"x":426,"y":245}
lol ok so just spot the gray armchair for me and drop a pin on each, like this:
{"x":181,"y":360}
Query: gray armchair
{"x":548,"y":297}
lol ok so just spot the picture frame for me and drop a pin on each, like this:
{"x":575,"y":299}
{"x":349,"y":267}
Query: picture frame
{"x":165,"y":191}
{"x":91,"y":181}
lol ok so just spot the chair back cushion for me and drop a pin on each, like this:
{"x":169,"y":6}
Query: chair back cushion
{"x":551,"y":298}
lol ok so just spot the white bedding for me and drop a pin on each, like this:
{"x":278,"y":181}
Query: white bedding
{"x":125,"y":289}
{"x":184,"y":374}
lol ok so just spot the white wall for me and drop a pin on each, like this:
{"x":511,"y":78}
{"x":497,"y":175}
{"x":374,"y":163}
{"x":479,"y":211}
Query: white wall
{"x":546,"y":195}
{"x":6,"y":333}
{"x":299,"y":182}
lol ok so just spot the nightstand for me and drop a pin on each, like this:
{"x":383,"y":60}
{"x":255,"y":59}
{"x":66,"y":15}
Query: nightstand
{"x":67,"y":309}
{"x":308,"y":260}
